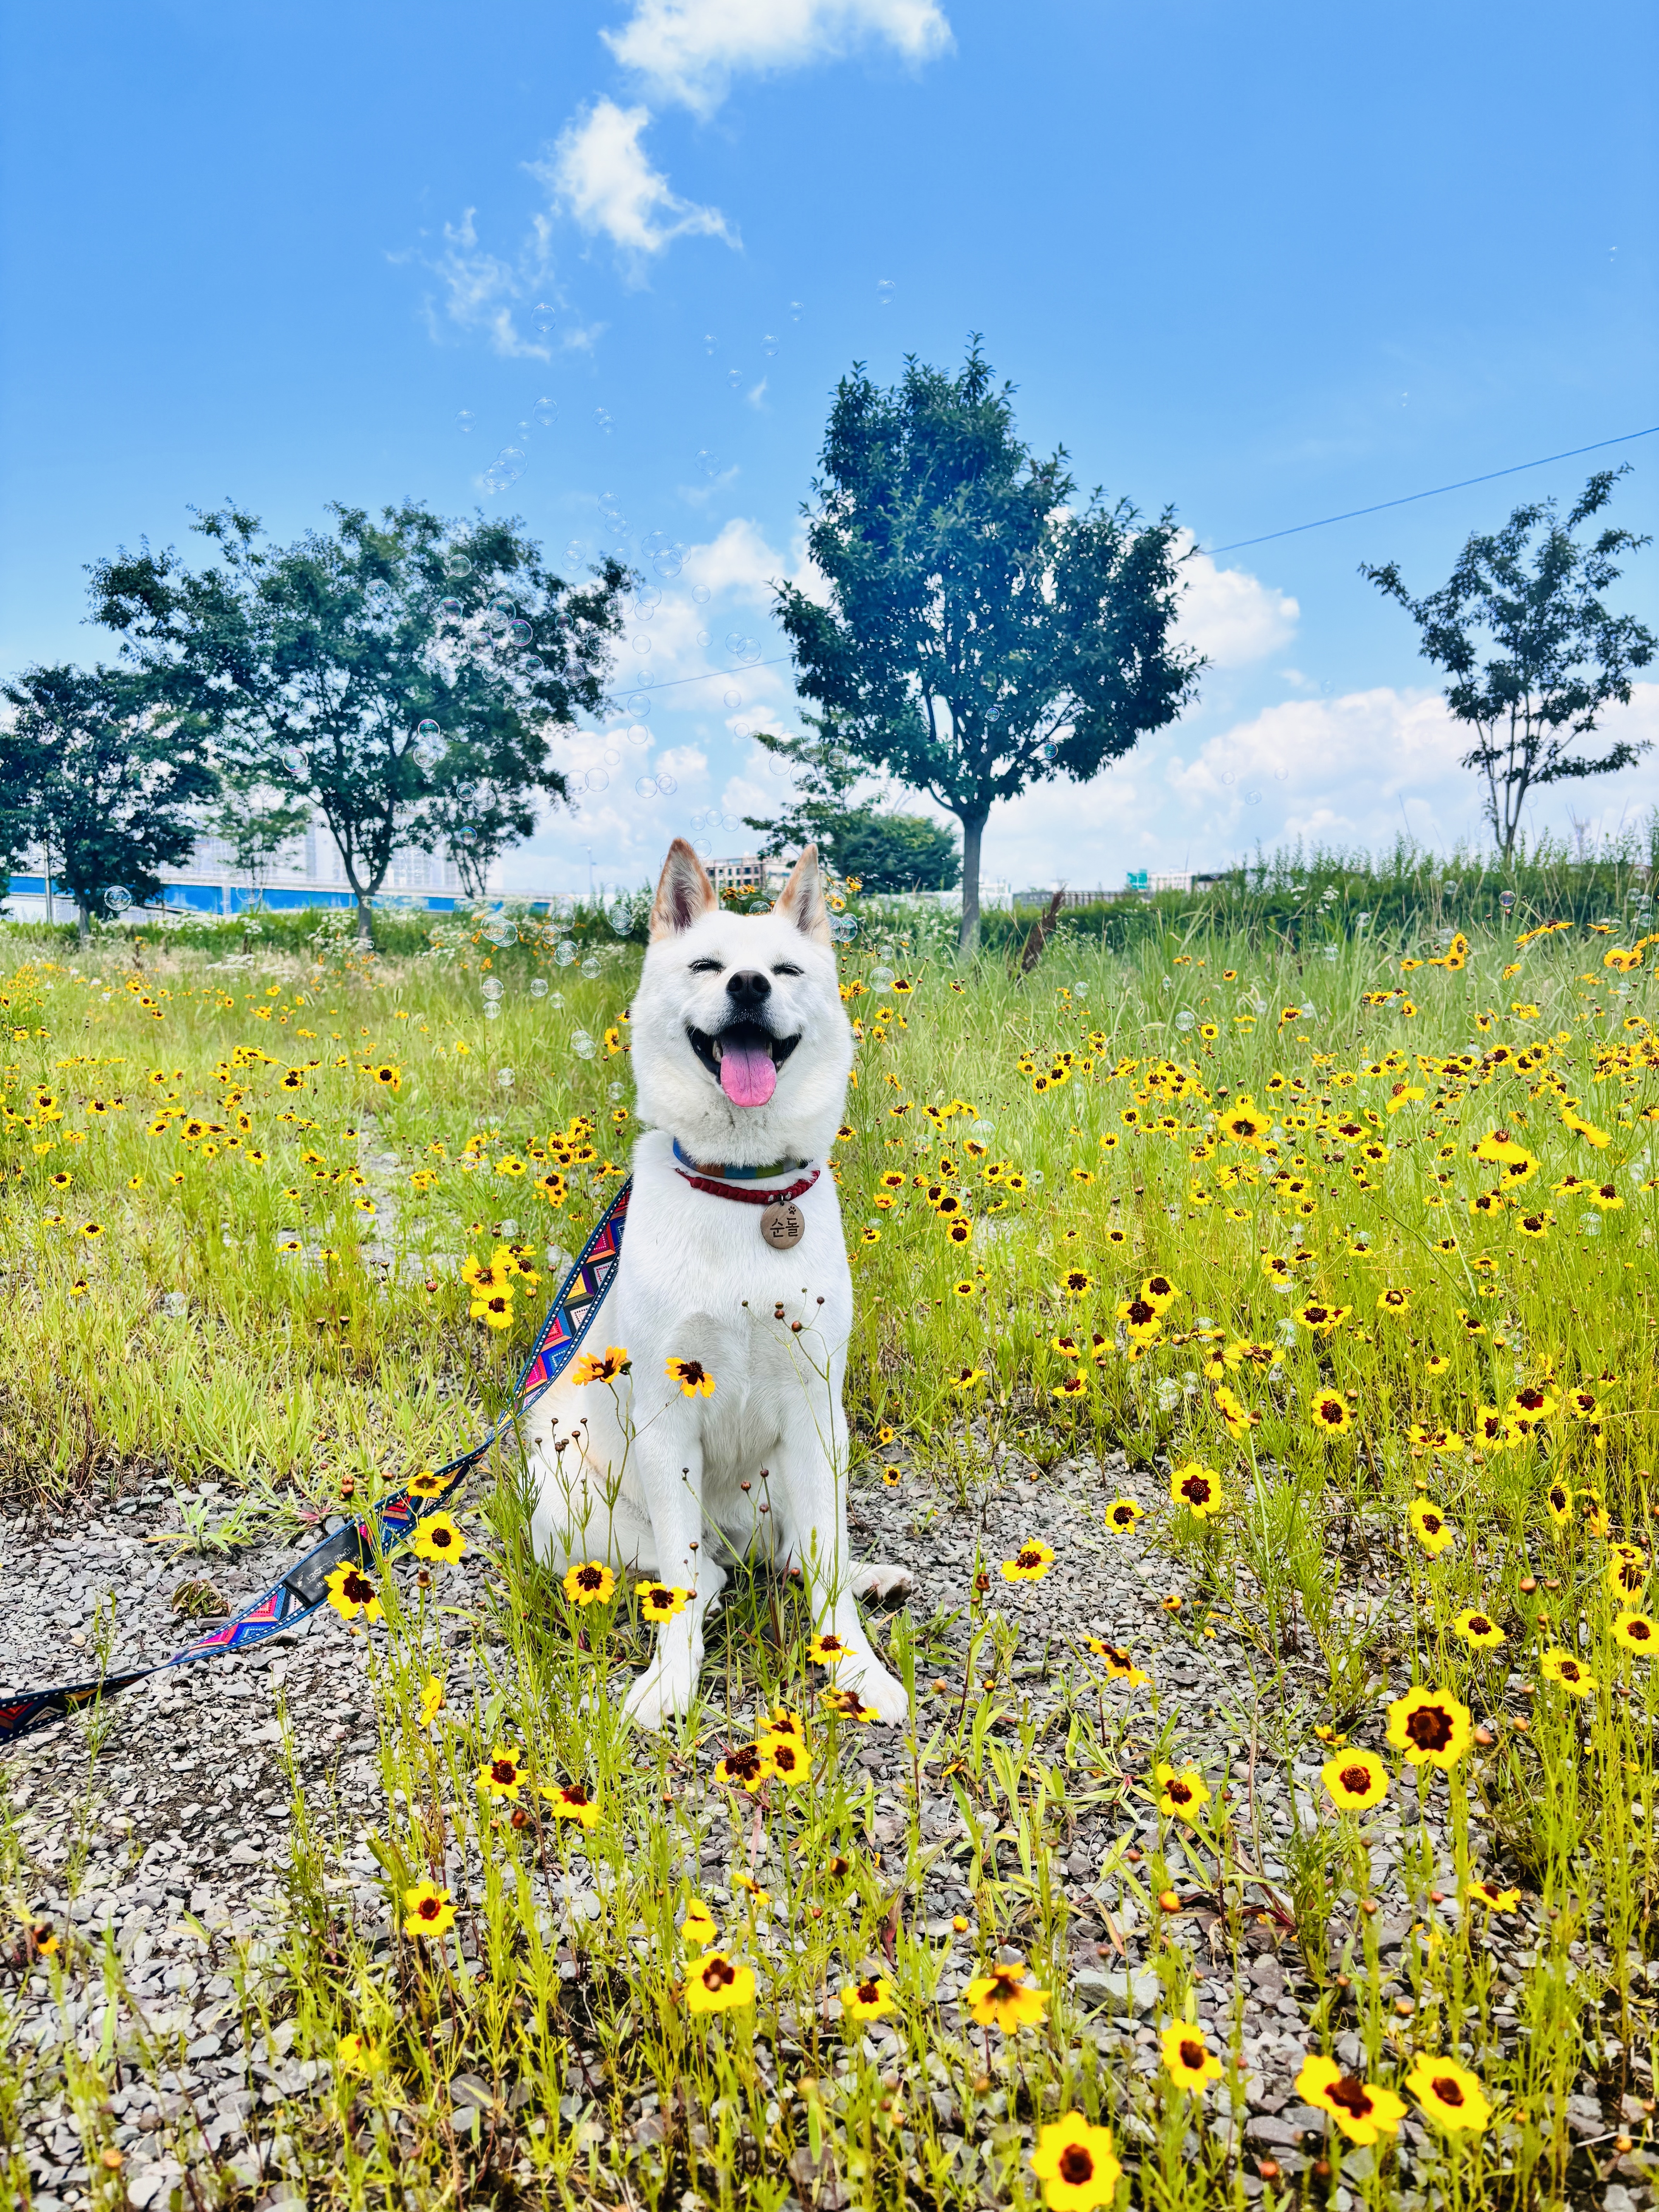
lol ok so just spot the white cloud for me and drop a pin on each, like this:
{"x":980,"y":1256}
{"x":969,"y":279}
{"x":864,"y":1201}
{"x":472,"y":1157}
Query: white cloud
{"x":480,"y":290}
{"x":689,"y":51}
{"x":600,"y":174}
{"x":1229,"y":615}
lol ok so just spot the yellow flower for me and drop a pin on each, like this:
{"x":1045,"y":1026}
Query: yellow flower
{"x":1004,"y":1999}
{"x":570,"y":1801}
{"x":1183,"y":1793}
{"x":437,"y":1537}
{"x":827,"y":1651}
{"x":692,"y":1377}
{"x":1637,"y":1633}
{"x":1495,"y":1900}
{"x":1450,"y":2096}
{"x":867,"y":2000}
{"x":1190,"y":2061}
{"x":590,"y":1582}
{"x":353,"y":2056}
{"x":661,"y":1601}
{"x":747,"y":1765}
{"x":430,"y":1911}
{"x":1029,"y":1565}
{"x":1356,"y":1779}
{"x":1477,"y":1630}
{"x":505,"y":1772}
{"x":717,"y":1984}
{"x":698,"y":1926}
{"x":1430,"y":1725}
{"x":350,"y":1592}
{"x":1429,"y":1526}
{"x":590,"y":1368}
{"x":1198,"y":1488}
{"x":1077,"y":2165}
{"x":431,"y":1700}
{"x":1120,"y":1663}
{"x":1123,"y":1514}
{"x":1570,"y":1671}
{"x":1360,"y":2109}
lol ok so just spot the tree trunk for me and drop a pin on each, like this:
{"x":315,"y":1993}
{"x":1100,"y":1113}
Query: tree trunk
{"x":365,"y":934}
{"x":83,"y":923}
{"x":973,"y":830}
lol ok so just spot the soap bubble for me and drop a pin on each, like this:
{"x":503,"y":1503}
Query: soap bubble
{"x":544,"y":315}
{"x":645,"y":786}
{"x":734,"y":642}
{"x":1228,"y":777}
{"x":564,"y":951}
{"x":545,"y":412}
{"x":466,"y":419}
{"x":1252,"y":798}
{"x":730,"y":822}
{"x":492,"y":1011}
{"x":704,"y":847}
{"x":709,"y":342}
{"x":509,"y":465}
{"x":492,"y":987}
{"x":654,"y":541}
{"x":638,"y":734}
{"x":709,"y":462}
{"x":843,"y":929}
{"x":638,"y":706}
{"x":556,"y":999}
{"x":734,"y":698}
{"x":881,"y":979}
{"x":295,"y":760}
{"x":597,"y":779}
{"x":702,"y":637}
{"x":457,"y":565}
{"x":450,"y":609}
{"x":768,"y":345}
{"x":118,"y":898}
{"x":612,"y":757}
{"x":640,"y":643}
{"x":619,"y":913}
{"x":582,"y":1045}
{"x":1184,"y":1020}
{"x":1506,"y":901}
{"x":749,"y":652}
{"x":538,"y":987}
{"x":647,"y":599}
{"x":667,"y":565}
{"x":590,"y":967}
{"x":1049,"y":752}
{"x":884,"y":291}
{"x":667,"y":785}
{"x":521,"y":632}
{"x":794,"y":310}
{"x":1281,"y":776}
{"x":504,"y":1079}
{"x":734,"y":378}
{"x":700,"y":593}
{"x":466,"y":834}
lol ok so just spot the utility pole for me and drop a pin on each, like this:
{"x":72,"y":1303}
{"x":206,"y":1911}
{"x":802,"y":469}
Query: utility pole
{"x":590,"y":877}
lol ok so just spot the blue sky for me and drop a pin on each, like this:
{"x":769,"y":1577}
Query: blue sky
{"x":1262,"y":266}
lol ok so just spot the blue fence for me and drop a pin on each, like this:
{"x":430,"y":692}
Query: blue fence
{"x":221,"y":899}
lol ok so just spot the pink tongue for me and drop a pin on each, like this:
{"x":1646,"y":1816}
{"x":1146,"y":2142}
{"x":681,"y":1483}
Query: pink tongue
{"x":747,"y":1075}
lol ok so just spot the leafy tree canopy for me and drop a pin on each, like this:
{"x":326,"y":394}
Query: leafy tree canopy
{"x":387,"y":674}
{"x":1555,"y":658}
{"x":104,"y":770}
{"x":884,"y":849}
{"x":980,"y":636}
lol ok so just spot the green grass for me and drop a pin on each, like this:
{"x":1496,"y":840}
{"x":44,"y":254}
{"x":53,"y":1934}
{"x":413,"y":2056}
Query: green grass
{"x":1077,"y":1118}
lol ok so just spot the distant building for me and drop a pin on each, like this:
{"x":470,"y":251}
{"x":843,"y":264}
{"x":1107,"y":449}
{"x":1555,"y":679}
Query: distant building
{"x":307,"y":872}
{"x":747,"y":871}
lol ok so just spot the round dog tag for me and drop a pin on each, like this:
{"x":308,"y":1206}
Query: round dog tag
{"x":782,"y":1224}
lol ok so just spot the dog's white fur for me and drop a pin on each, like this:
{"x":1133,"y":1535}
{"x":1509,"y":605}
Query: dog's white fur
{"x":634,"y":1473}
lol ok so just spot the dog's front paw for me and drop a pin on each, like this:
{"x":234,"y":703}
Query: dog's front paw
{"x":878,"y":1585}
{"x":877,"y":1689}
{"x":661,"y":1694}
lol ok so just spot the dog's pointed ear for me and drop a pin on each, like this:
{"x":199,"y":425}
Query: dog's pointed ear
{"x":801,"y":899}
{"x":684,"y":892}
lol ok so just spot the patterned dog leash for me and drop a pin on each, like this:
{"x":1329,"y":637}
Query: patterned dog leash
{"x":390,"y":1523}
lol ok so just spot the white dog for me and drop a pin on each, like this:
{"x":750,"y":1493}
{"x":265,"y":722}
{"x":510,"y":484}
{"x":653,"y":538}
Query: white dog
{"x":734,"y":1261}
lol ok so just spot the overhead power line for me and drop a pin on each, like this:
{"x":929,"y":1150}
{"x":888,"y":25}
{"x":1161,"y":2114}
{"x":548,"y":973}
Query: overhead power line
{"x":1296,"y":528}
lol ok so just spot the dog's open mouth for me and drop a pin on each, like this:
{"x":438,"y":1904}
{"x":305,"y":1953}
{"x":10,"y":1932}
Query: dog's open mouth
{"x":743,"y":1060}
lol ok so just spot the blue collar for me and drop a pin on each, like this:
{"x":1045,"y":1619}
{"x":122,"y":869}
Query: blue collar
{"x":725,"y":1173}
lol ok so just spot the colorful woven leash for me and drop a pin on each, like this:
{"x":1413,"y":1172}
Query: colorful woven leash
{"x":393,"y":1523}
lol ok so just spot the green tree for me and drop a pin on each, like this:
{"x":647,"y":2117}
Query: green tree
{"x":100,"y":768}
{"x":372,"y":671}
{"x":980,"y":636}
{"x":254,"y":821}
{"x":1555,"y":657}
{"x":885,"y":850}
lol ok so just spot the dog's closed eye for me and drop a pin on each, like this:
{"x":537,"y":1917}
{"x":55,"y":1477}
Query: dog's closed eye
{"x":784,"y":968}
{"x":707,"y":967}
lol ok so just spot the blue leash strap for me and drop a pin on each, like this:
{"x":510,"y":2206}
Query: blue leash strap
{"x":393,"y":1520}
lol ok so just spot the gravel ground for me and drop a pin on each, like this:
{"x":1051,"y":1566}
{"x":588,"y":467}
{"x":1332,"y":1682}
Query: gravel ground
{"x":184,"y":1809}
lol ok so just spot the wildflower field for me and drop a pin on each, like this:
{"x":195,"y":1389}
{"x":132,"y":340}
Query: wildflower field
{"x":1253,"y":1363}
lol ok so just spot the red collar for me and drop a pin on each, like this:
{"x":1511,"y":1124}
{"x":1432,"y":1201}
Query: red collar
{"x":746,"y":1197}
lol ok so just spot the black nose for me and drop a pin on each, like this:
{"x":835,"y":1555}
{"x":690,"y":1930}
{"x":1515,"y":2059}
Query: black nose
{"x":747,"y":989}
